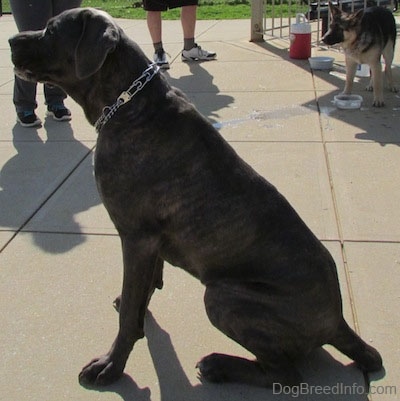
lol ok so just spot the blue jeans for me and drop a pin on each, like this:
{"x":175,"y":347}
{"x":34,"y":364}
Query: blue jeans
{"x":32,"y":15}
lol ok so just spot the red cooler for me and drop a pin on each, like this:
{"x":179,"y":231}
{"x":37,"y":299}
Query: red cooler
{"x":300,"y":38}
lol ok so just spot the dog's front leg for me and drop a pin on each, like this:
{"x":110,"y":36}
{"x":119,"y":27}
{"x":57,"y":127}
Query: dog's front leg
{"x":157,"y":282}
{"x":388,"y":56}
{"x":139,"y":257}
{"x":389,"y":78}
{"x":351,"y":68}
{"x":377,"y":83}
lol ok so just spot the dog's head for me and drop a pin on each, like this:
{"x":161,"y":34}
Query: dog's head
{"x":343,"y":25}
{"x":72,"y":47}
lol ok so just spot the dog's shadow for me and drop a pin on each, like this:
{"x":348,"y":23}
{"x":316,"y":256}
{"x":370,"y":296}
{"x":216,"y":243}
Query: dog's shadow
{"x":321,"y":370}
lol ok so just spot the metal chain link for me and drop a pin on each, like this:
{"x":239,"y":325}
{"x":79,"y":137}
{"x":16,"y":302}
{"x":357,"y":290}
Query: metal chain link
{"x":137,"y":85}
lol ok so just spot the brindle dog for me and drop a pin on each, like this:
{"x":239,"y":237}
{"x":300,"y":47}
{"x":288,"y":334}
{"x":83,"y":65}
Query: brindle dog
{"x":176,"y":191}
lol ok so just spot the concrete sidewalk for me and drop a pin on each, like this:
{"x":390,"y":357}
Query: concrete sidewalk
{"x":60,"y":262}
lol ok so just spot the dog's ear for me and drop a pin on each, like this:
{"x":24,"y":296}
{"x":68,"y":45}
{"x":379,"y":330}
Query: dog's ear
{"x":358,"y":15}
{"x":334,"y":9}
{"x":99,"y":37}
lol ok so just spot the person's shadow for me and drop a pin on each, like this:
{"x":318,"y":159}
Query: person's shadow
{"x":30,"y":178}
{"x":200,"y":88}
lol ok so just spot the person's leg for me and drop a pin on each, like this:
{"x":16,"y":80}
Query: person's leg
{"x":24,"y":96}
{"x":28,"y":15}
{"x":191,"y":51}
{"x":53,"y":94}
{"x":155,"y":26}
{"x":61,"y":5}
{"x":188,"y":21}
{"x":31,"y":15}
{"x":154,"y":23}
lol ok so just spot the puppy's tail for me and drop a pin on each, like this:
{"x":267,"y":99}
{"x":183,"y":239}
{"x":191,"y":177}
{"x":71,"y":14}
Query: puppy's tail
{"x":350,"y":344}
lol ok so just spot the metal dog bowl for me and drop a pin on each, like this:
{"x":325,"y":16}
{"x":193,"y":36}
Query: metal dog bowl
{"x":321,"y":63}
{"x":348,"y":101}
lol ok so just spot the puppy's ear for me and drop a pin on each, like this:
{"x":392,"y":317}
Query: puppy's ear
{"x":358,"y":15}
{"x":334,"y":10}
{"x":99,"y":37}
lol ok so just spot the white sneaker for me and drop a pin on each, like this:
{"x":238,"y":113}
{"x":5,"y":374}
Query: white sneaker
{"x":160,"y":58}
{"x":196,"y":53}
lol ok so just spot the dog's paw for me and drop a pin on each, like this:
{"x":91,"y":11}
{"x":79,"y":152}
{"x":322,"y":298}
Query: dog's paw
{"x":100,"y":372}
{"x":369,"y":88}
{"x":393,"y":89}
{"x":378,"y":103}
{"x":211,"y":369}
{"x":369,"y":360}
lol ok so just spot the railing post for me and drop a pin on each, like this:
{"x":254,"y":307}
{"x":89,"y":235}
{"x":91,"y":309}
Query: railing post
{"x":257,"y":21}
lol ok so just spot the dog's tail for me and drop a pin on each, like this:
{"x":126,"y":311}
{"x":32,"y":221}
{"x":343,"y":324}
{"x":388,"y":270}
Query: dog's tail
{"x":350,"y":344}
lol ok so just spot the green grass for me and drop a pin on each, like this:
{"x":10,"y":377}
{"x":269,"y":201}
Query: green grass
{"x":208,"y":9}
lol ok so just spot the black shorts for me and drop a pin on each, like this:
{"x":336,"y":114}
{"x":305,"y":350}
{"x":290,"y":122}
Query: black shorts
{"x":164,"y":5}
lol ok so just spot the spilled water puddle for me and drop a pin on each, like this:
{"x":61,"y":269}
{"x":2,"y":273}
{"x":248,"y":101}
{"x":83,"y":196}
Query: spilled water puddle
{"x":263,"y":116}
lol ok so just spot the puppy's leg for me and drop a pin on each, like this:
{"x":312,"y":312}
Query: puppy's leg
{"x":157,"y":283}
{"x":348,"y":342}
{"x":243,"y":315}
{"x":139,"y":257}
{"x":377,"y":79}
{"x":388,"y":54}
{"x":221,"y":368}
{"x":351,"y":68}
{"x":370,"y":86}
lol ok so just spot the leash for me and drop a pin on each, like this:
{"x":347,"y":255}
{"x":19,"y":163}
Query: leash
{"x":137,"y":85}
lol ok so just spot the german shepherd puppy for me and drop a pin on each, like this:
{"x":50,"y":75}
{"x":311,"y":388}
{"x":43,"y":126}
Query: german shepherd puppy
{"x":365,"y":35}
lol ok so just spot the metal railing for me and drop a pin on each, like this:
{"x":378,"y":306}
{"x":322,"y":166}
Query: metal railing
{"x":273,"y":18}
{"x":279,"y":15}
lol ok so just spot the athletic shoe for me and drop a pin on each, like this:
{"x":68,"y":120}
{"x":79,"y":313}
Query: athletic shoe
{"x":28,"y":119}
{"x":160,"y":58}
{"x":59,"y":112}
{"x":196,"y":53}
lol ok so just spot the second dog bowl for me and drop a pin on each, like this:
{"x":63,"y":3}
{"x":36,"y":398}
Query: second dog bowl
{"x":321,"y":63}
{"x":348,"y":101}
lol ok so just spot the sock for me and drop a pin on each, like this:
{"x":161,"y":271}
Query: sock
{"x":158,"y":46}
{"x":188,"y":43}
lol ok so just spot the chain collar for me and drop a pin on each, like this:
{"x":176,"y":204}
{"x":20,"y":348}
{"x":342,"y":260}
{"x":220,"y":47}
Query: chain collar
{"x":137,"y":85}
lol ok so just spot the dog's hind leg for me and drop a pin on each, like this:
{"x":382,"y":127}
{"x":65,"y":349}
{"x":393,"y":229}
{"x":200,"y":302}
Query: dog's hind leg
{"x":350,"y":344}
{"x":388,"y":54}
{"x":242,"y":315}
{"x":222,"y":368}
